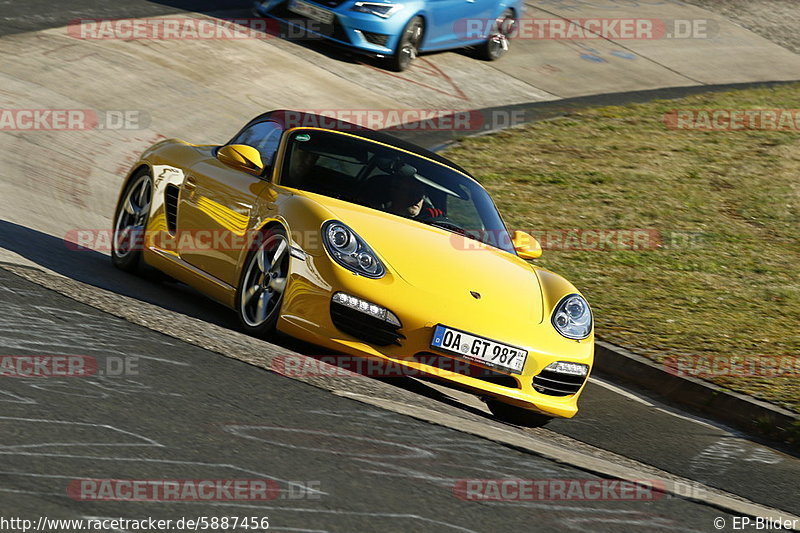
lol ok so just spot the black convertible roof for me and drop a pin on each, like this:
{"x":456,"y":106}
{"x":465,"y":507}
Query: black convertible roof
{"x":291,"y":119}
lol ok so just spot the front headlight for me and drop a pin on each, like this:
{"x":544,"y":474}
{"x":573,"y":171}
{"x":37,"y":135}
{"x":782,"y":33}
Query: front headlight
{"x":572,"y":317}
{"x":350,"y":250}
{"x":377,"y":8}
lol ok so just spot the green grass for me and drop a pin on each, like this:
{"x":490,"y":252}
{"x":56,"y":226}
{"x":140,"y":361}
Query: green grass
{"x":731,"y":288}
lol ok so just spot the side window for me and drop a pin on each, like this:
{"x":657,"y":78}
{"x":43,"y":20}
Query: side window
{"x":264,"y":137}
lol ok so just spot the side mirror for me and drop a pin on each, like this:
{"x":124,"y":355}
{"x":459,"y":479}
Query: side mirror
{"x":526,"y":246}
{"x":241,"y":157}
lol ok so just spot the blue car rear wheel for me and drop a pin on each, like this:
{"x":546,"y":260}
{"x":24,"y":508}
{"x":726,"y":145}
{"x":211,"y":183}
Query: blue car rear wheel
{"x":496,"y":45}
{"x":408,"y":45}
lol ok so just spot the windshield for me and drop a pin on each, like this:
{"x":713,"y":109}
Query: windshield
{"x":391,"y":180}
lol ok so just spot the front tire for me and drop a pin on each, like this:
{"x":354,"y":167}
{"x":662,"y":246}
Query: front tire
{"x":130,"y":222}
{"x":517,"y":415}
{"x":408,"y":46}
{"x":263,"y":283}
{"x":496,"y":45}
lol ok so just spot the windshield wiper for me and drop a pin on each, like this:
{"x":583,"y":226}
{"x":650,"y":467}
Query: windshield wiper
{"x":454,"y":228}
{"x":449,"y":226}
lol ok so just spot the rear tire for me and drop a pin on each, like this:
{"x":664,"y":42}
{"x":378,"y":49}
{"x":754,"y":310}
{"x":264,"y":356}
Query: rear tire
{"x":263,"y":284}
{"x":408,"y":46}
{"x":130,"y":222}
{"x":497,"y":44}
{"x":517,"y":415}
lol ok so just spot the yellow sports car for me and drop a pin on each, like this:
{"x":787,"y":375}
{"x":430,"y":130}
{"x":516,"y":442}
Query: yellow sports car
{"x":365,"y":244}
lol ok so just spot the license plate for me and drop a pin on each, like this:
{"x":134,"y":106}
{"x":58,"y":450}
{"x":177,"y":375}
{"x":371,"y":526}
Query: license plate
{"x":471,"y":347}
{"x":313,"y":12}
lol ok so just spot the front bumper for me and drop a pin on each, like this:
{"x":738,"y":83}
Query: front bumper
{"x":362,"y":32}
{"x":306,"y":314}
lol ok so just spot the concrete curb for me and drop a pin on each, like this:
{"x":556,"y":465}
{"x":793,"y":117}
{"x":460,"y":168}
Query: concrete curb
{"x":538,"y":111}
{"x":726,"y":406}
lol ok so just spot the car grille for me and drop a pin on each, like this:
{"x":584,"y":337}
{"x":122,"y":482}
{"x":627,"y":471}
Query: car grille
{"x":473,"y":371}
{"x":364,"y":327}
{"x":171,"y":206}
{"x":557,"y":384}
{"x":376,"y":38}
{"x":329,"y":3}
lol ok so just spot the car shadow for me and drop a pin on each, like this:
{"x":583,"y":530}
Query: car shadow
{"x":95,"y":269}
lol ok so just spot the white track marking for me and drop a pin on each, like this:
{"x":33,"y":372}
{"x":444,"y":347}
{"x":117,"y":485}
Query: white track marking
{"x":620,"y":391}
{"x":163,"y":461}
{"x":148,"y":441}
{"x":665,"y":410}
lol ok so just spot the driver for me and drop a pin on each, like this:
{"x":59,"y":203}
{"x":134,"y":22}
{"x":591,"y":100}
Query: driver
{"x":407,"y":197}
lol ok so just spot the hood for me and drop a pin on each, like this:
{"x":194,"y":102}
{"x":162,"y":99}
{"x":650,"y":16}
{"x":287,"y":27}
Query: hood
{"x":444,"y":265}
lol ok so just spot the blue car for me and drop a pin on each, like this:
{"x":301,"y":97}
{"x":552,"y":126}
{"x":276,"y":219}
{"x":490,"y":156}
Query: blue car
{"x":398,"y":30}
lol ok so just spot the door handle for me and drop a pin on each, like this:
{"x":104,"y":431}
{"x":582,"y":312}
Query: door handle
{"x":190,"y":183}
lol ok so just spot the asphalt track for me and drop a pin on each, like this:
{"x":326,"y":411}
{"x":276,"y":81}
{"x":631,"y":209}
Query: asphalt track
{"x":216,"y":392}
{"x":181,"y":412}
